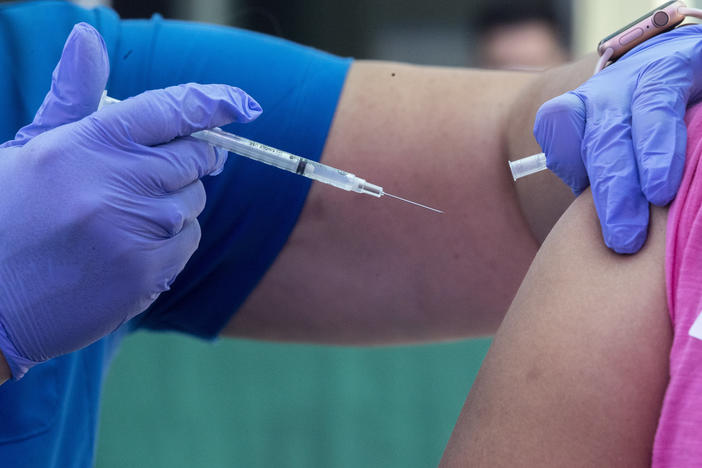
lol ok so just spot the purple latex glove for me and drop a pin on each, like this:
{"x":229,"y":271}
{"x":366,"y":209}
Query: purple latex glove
{"x":622,"y":132}
{"x":98,"y":210}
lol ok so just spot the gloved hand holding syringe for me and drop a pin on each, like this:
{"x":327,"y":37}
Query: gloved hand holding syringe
{"x":287,"y":161}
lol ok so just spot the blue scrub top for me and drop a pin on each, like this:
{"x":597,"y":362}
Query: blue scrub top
{"x":49,"y":418}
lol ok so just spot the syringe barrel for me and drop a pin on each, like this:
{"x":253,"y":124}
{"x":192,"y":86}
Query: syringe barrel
{"x":331,"y":176}
{"x":288,"y":162}
{"x":250,"y":149}
{"x":340,"y":179}
{"x":280,"y":159}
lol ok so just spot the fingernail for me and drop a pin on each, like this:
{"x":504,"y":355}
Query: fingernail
{"x":254,"y":106}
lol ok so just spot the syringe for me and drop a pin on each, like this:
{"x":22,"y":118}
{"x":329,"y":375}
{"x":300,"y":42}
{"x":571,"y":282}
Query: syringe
{"x":286,"y":161}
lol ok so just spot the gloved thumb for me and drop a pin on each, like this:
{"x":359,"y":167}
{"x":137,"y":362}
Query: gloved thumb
{"x":76,"y":84}
{"x":558,"y":129}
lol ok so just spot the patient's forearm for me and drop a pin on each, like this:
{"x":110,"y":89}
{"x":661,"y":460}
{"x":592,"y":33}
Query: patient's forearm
{"x":577,"y":371}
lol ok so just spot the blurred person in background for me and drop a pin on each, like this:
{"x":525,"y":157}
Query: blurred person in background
{"x":518,"y":36}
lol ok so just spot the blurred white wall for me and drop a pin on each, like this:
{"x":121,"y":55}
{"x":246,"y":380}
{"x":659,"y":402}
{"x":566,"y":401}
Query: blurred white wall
{"x":595,"y":19}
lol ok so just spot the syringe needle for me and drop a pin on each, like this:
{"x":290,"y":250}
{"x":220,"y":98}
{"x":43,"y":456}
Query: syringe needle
{"x":286,"y":161}
{"x":414,"y":203}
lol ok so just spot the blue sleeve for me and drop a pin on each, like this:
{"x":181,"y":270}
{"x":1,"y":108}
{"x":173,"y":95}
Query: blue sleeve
{"x":251,"y":208}
{"x":32,"y":35}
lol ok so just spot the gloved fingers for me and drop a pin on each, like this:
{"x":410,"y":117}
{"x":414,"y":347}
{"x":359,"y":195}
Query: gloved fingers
{"x":177,"y":164}
{"x":76,"y":84}
{"x":159,"y":116}
{"x":175,"y":253}
{"x":172,"y":212}
{"x":621,"y":206}
{"x":658,"y":129}
{"x":222,"y":156}
{"x":558,"y":128}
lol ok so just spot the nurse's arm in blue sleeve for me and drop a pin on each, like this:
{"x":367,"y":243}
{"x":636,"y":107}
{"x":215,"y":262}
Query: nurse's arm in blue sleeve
{"x":360,"y":270}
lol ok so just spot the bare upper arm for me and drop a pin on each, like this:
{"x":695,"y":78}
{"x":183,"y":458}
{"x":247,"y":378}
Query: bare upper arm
{"x":362,"y":270}
{"x":578,"y":369}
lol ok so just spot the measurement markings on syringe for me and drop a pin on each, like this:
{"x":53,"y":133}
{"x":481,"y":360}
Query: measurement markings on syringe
{"x":301,"y":162}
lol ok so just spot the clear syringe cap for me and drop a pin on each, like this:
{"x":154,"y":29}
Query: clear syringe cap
{"x":526,"y":166}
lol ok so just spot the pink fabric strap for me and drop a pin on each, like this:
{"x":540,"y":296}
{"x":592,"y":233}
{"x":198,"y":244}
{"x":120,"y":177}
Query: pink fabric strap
{"x":678,"y":440}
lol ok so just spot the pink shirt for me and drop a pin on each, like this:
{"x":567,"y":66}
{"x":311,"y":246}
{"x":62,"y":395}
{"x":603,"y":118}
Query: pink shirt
{"x":678,"y":440}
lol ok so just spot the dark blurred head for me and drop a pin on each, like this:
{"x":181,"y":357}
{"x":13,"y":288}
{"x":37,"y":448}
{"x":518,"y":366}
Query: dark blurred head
{"x":518,"y":35}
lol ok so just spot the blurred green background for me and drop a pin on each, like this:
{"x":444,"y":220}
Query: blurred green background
{"x":172,"y":401}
